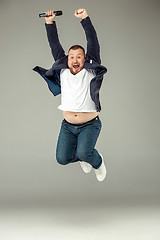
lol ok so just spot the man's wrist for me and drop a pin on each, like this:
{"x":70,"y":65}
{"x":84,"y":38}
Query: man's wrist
{"x":49,"y":22}
{"x":85,"y":17}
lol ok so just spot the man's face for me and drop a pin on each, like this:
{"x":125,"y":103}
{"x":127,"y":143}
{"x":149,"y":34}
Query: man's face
{"x":76,"y":59}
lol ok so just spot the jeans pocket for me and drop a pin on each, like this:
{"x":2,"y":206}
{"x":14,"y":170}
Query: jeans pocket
{"x":97,"y":125}
{"x":97,"y":121}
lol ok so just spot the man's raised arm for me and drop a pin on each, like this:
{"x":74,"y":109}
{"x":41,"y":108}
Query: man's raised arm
{"x":52,"y":34}
{"x":93,"y":48}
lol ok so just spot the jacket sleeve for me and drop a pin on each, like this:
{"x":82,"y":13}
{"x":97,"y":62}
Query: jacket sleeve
{"x":93,"y":48}
{"x":52,"y":34}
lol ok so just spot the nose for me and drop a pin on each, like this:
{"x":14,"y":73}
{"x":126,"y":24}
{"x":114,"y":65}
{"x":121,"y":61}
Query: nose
{"x":75,"y":60}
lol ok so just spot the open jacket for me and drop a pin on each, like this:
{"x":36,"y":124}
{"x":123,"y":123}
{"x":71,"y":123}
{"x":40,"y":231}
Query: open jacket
{"x":92,"y":61}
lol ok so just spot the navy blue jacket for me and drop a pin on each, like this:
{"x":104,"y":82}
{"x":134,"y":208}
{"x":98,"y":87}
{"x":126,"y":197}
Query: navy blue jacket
{"x":92,"y":61}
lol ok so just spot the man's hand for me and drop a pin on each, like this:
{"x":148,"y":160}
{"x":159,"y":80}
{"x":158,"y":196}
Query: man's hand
{"x":81,"y":13}
{"x":50,"y":20}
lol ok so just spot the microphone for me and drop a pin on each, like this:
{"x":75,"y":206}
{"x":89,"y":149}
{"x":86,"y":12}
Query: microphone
{"x":57,"y":13}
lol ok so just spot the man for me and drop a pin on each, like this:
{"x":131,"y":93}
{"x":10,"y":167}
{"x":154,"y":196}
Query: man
{"x":78,"y":77}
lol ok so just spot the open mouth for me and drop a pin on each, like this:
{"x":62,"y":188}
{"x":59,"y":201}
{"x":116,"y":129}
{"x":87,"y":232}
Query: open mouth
{"x":76,"y":66}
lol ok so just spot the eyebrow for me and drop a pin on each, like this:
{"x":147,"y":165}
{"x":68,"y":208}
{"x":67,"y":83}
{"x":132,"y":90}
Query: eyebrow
{"x":73,"y":54}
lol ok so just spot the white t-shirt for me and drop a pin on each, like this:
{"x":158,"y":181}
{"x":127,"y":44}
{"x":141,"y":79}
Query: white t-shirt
{"x":75,"y":91}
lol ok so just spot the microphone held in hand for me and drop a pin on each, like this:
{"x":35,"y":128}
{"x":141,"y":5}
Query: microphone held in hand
{"x":57,"y":13}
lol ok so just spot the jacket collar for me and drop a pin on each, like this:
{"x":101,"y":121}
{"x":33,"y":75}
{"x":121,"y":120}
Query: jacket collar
{"x":89,"y":64}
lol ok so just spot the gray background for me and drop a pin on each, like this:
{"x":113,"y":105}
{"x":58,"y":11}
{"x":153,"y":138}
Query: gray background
{"x":129,"y":37}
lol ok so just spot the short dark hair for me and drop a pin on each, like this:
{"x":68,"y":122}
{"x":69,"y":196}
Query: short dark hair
{"x":75,"y":47}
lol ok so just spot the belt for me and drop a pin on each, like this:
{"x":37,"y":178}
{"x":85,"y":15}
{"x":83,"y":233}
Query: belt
{"x":81,"y":124}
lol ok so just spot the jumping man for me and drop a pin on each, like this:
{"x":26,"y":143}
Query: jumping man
{"x":77,"y":76}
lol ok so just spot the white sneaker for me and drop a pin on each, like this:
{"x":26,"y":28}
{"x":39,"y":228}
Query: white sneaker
{"x":86,"y":167}
{"x":101,"y":171}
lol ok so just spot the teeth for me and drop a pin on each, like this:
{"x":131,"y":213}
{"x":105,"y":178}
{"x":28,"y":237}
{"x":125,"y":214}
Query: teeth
{"x":75,"y":66}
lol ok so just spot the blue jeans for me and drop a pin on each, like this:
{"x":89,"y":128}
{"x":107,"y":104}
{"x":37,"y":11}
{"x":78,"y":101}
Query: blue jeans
{"x":77,"y":143}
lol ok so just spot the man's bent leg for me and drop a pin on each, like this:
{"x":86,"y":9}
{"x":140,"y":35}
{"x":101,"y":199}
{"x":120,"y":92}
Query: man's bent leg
{"x":86,"y":143}
{"x":66,"y":145}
